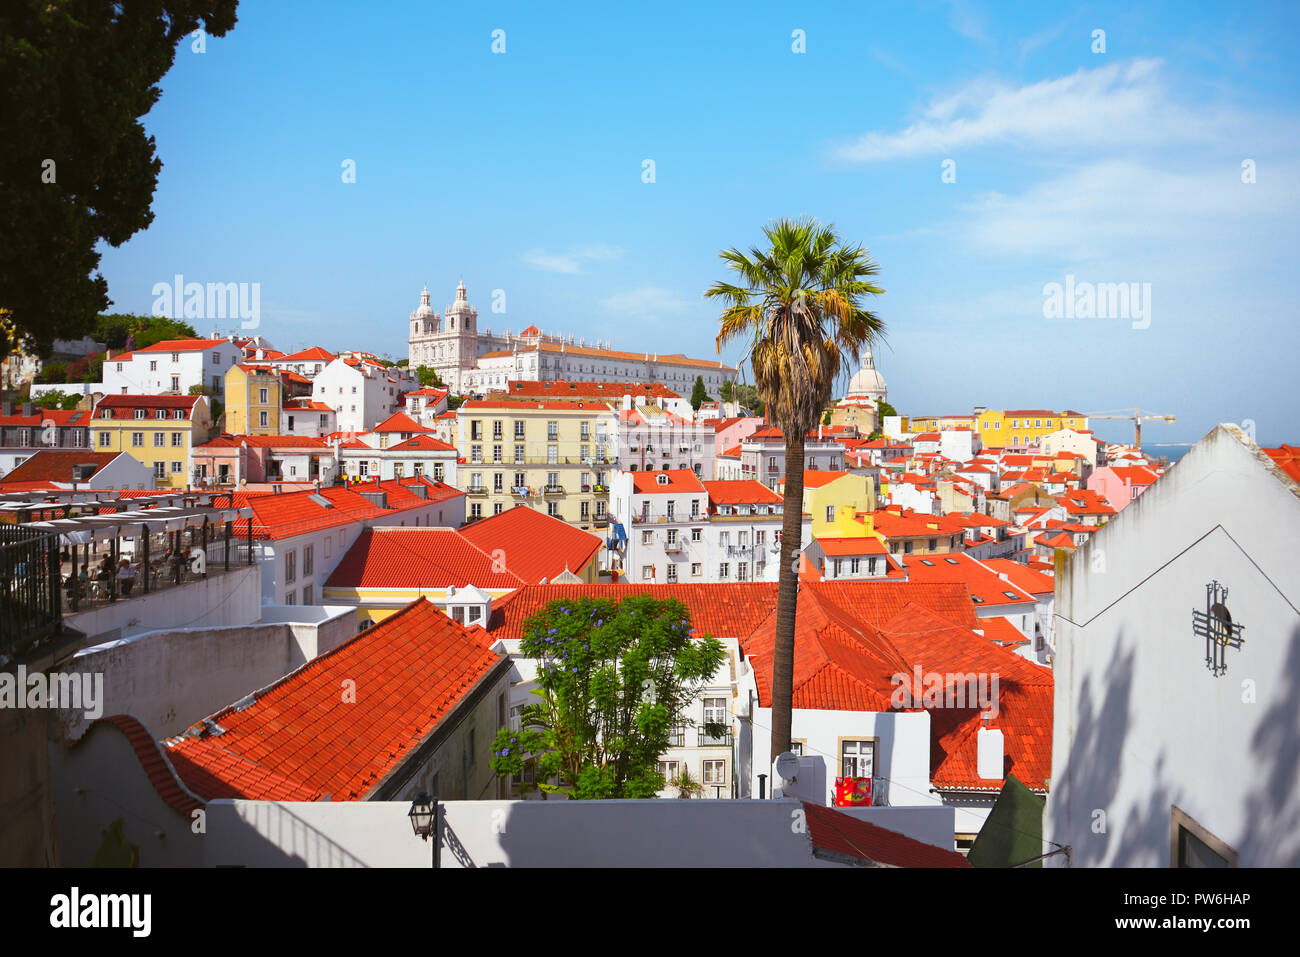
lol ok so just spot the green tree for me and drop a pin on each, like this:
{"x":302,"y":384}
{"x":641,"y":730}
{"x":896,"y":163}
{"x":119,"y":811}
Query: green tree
{"x":53,"y":372}
{"x":612,"y":677}
{"x":797,"y":307}
{"x":727,"y":391}
{"x":826,"y":417}
{"x":113,"y":329}
{"x":883,"y":409}
{"x":748,"y":398}
{"x":77,"y":166}
{"x":698,"y":394}
{"x":429,"y":377}
{"x":56,"y":400}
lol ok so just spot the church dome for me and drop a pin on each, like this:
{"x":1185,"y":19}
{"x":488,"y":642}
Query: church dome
{"x":461,"y":306}
{"x":426,"y":309}
{"x":867,"y":382}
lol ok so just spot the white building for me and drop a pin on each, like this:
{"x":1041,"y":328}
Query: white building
{"x":762,"y":457}
{"x":470,"y":360}
{"x":676,"y":528}
{"x":1178,"y":652}
{"x":651,"y":438}
{"x":171,"y":367}
{"x":362,"y":393}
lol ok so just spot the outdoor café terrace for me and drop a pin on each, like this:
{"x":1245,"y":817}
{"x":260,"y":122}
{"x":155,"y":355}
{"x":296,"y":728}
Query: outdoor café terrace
{"x":113,"y":547}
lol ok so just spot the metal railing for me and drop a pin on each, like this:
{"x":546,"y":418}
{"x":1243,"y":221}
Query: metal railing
{"x":722,"y":740}
{"x":29,"y":587}
{"x":164,"y":572}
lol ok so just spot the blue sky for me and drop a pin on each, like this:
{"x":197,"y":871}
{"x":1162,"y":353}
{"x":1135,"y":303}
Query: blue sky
{"x":522,"y":171}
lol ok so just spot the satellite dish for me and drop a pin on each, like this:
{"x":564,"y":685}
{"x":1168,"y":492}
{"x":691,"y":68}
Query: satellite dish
{"x":787,"y":766}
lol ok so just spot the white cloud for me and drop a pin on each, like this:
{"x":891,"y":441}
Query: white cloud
{"x":1116,"y":105}
{"x":645,"y":302}
{"x":571,"y":262}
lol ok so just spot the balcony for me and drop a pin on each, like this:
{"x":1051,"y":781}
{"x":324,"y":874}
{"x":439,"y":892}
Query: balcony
{"x":677,"y":738}
{"x":520,"y":490}
{"x":676,"y":546}
{"x":600,"y":489}
{"x":476,"y":490}
{"x":714,"y":736}
{"x":553,"y":490}
{"x":740,"y":551}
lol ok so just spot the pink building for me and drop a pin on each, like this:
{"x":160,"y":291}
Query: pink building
{"x":1121,"y":484}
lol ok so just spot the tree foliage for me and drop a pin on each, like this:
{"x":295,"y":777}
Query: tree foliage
{"x":77,"y":166}
{"x":429,"y":377}
{"x":613,"y":676}
{"x":56,"y":400}
{"x":699,"y":395}
{"x":113,"y":330}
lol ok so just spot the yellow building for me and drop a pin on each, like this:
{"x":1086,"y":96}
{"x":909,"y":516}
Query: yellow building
{"x":159,"y":430}
{"x":556,"y":456}
{"x":1018,"y":428}
{"x":253,"y":400}
{"x":831,"y":499}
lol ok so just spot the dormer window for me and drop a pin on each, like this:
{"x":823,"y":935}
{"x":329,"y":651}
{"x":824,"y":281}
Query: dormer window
{"x":661,"y":479}
{"x":139,"y":413}
{"x":160,"y":414}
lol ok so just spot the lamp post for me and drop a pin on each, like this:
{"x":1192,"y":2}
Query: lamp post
{"x":425,"y":822}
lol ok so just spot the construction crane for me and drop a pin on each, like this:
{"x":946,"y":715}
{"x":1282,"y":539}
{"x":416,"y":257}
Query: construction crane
{"x":1137,"y":417}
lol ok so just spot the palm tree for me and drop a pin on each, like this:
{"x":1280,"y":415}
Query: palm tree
{"x":797,"y":308}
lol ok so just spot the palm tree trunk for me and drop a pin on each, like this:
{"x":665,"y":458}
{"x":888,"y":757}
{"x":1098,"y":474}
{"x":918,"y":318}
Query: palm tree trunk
{"x":787,"y":594}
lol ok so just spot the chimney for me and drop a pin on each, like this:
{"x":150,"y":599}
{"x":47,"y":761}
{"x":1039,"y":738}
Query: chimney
{"x":27,"y":408}
{"x":988,"y":750}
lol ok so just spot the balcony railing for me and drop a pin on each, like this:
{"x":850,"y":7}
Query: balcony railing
{"x":476,"y":490}
{"x":676,"y":546}
{"x":719,"y":740}
{"x":520,"y":490}
{"x":553,"y":490}
{"x":677,"y":738}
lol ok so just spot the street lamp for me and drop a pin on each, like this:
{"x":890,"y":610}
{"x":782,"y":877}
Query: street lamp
{"x":425,"y":823}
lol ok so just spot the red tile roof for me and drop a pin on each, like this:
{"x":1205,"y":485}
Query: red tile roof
{"x":296,"y":513}
{"x":517,"y":533}
{"x":60,"y":417}
{"x":314,"y":354}
{"x":985,"y":586}
{"x":679,"y":480}
{"x":1022,"y":576}
{"x":1287,"y":458}
{"x":816,"y":478}
{"x":560,"y":388}
{"x":848,"y":547}
{"x":300,"y":739}
{"x":387,"y":557}
{"x":55,"y":465}
{"x":1000,"y":631}
{"x":841,"y":835}
{"x":740,"y":492}
{"x":124,"y":406}
{"x":1135,"y":474}
{"x":399,"y":422}
{"x":422,"y":443}
{"x":183,"y":345}
{"x":156,"y":766}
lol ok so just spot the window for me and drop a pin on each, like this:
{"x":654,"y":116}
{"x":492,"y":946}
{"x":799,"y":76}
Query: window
{"x":836,"y":568}
{"x":476,"y":510}
{"x":498,"y":481}
{"x":697,"y":569}
{"x":160,"y":470}
{"x":216,"y":358}
{"x":290,"y":566}
{"x":715,"y":710}
{"x":519,"y":429}
{"x":647,"y":573}
{"x":496,"y":429}
{"x":695,"y":534}
{"x":291,"y":598}
{"x":553,"y":509}
{"x":672,"y":574}
{"x":176,"y":357}
{"x":153,"y":365}
{"x":1194,"y":846}
{"x":552,"y":431}
{"x":176,"y":383}
{"x":496,"y":508}
{"x":647,"y":538}
{"x":159,"y":439}
{"x":104,"y":439}
{"x":307,"y":595}
{"x":715,"y":773}
{"x":177,"y":467}
{"x":178,"y":439}
{"x":496,"y":453}
{"x":476,"y":430}
{"x":139,"y":413}
{"x":307,"y":563}
{"x":854,"y":565}
{"x":858,"y":758}
{"x":137,"y":439}
{"x":261,"y":394}
{"x":724,"y":570}
{"x":584,"y":510}
{"x":519,"y":456}
{"x":830,"y":513}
